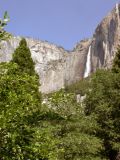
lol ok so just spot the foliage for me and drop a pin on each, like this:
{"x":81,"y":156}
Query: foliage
{"x":18,"y":99}
{"x":79,"y":87}
{"x":58,"y":130}
{"x":22,"y":57}
{"x":24,"y":132}
{"x":77,"y":133}
{"x":3,"y":22}
{"x":103,"y":102}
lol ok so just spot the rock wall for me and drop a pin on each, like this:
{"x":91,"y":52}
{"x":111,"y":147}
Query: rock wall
{"x":57,"y":67}
{"x":106,"y":40}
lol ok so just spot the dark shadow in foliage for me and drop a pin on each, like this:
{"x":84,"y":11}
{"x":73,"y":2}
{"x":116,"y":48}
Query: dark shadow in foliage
{"x":37,"y":117}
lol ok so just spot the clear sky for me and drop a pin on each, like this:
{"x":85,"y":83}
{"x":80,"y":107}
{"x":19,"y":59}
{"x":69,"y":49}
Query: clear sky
{"x":63,"y":22}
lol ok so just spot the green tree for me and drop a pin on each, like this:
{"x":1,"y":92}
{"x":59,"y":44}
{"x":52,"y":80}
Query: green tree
{"x":103,"y":102}
{"x":76,"y":131}
{"x":24,"y":131}
{"x":22,"y":57}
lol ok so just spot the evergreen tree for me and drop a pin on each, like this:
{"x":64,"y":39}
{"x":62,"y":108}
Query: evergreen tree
{"x":22,"y":57}
{"x":23,"y":133}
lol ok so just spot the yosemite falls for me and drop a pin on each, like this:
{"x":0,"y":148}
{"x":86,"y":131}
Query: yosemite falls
{"x":88,"y":64}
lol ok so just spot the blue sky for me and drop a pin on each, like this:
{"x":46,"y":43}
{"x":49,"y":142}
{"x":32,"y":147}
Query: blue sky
{"x":63,"y":22}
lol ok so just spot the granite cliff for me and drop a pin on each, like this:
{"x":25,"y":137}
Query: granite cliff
{"x":57,"y":67}
{"x":106,"y":40}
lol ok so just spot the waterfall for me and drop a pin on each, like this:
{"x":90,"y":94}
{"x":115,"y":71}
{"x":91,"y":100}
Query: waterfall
{"x":117,"y":8}
{"x":105,"y":47}
{"x":88,"y":63}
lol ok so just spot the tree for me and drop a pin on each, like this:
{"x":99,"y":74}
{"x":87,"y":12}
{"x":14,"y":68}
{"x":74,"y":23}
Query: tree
{"x":103,"y":102}
{"x":22,"y":57}
{"x":24,"y":132}
{"x":76,"y":131}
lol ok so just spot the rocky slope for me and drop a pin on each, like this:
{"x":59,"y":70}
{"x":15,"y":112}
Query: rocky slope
{"x":57,"y":67}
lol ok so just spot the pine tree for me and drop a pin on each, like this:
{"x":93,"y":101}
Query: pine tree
{"x":22,"y":57}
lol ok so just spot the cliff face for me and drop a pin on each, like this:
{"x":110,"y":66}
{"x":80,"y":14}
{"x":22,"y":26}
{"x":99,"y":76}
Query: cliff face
{"x":57,"y":67}
{"x":106,"y":40}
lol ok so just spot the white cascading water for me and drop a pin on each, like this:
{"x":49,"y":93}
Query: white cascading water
{"x":117,"y":8}
{"x":105,"y":47}
{"x":88,"y":64}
